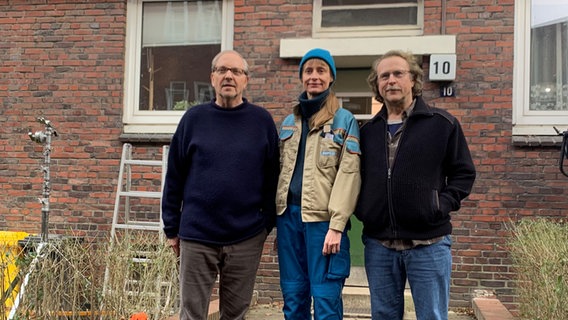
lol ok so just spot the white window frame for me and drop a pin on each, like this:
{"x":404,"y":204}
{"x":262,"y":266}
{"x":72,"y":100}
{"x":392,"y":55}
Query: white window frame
{"x":144,"y":121}
{"x":526,"y":121}
{"x":366,"y":31}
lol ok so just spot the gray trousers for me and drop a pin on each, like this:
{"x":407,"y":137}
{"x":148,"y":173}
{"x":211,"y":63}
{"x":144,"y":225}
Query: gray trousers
{"x":236,"y":266}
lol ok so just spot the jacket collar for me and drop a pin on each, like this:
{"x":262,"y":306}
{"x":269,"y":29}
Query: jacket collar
{"x":420,"y":108}
{"x":308,"y":107}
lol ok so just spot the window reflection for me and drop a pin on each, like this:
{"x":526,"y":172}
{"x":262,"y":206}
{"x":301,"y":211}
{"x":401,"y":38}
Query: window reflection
{"x":549,"y":56}
{"x":179,"y":40}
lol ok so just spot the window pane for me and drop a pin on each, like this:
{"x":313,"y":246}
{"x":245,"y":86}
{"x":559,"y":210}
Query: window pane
{"x":358,"y":105}
{"x":549,"y":57}
{"x":352,"y":88}
{"x":326,"y":3}
{"x":352,"y":80}
{"x":179,"y":23}
{"x":369,"y":17}
{"x":179,"y":40}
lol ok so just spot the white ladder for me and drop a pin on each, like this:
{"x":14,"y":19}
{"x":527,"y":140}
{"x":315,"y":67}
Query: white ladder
{"x":134,"y":179}
{"x":124,"y":191}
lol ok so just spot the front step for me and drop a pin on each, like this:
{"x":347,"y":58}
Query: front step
{"x":357,"y":303}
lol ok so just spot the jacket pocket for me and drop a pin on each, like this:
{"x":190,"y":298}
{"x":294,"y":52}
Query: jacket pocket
{"x":419,"y":207}
{"x":339,"y":265}
{"x":437,"y":207}
{"x":435,"y":200}
{"x":328,"y":153}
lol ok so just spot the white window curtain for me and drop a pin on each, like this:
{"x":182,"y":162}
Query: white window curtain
{"x":549,"y":56}
{"x":181,"y":23}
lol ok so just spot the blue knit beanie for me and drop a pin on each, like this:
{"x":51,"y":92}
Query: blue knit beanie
{"x":319,"y":54}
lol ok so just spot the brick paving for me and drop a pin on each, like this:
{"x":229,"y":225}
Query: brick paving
{"x":274,"y":312}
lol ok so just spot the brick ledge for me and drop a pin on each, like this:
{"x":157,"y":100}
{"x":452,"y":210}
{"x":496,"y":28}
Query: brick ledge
{"x":490,"y":309}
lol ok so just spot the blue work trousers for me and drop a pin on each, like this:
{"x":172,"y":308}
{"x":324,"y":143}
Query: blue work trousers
{"x":305,"y":273}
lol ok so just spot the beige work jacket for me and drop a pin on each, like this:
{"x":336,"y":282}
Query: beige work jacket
{"x":331,"y":177}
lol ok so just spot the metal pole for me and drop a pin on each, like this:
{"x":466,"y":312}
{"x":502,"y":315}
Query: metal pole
{"x":44,"y":137}
{"x":41,"y":137}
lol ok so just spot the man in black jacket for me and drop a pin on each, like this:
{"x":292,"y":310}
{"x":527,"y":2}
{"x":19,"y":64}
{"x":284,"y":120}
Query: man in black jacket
{"x":416,"y":168}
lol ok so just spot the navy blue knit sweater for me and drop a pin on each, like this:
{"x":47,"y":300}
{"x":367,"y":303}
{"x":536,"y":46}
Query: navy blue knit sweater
{"x":223,"y":168}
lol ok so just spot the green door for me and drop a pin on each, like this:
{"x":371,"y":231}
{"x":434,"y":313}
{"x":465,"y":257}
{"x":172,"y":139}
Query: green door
{"x":357,"y":257}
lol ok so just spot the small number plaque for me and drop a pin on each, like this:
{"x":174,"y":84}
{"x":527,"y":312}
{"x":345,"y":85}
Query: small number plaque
{"x":442,"y":67}
{"x":447,"y":91}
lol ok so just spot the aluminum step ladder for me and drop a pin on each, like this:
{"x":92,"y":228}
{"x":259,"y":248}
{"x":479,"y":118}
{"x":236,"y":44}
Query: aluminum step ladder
{"x":137,"y":211}
{"x":125,"y":191}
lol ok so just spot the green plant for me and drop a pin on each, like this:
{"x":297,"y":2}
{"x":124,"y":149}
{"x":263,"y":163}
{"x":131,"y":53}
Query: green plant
{"x":184,"y":104}
{"x":539,"y":249}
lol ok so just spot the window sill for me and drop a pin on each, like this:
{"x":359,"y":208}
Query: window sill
{"x":537,"y":141}
{"x":162,"y":138}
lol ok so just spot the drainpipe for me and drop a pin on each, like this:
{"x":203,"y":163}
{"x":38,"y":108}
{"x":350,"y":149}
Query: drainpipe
{"x":443,"y":26}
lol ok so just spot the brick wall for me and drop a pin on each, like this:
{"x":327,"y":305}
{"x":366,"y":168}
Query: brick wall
{"x":64,"y":60}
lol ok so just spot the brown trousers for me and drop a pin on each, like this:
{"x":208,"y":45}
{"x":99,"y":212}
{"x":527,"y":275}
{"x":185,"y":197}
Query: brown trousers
{"x":236,"y":266}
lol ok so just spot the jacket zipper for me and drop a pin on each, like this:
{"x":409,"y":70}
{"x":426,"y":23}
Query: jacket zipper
{"x":389,"y":188}
{"x":391,"y":212}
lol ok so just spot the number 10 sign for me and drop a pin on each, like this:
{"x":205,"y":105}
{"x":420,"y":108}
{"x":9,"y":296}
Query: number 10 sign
{"x":442,"y":67}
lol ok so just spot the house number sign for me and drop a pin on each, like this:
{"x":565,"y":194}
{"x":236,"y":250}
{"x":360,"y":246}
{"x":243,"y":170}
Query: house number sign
{"x":442,"y":67}
{"x":447,"y":91}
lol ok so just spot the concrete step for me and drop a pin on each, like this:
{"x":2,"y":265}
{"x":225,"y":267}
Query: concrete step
{"x":357,"y":303}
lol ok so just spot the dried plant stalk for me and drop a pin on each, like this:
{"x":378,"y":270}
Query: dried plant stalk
{"x":539,"y":249}
{"x":75,"y":279}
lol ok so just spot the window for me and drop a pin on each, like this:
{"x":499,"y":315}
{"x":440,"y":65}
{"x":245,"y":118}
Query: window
{"x":362,"y":18}
{"x":354,"y":93}
{"x":540,"y":97}
{"x":170,"y":45}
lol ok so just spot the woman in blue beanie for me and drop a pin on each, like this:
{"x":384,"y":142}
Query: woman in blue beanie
{"x":317,"y":191}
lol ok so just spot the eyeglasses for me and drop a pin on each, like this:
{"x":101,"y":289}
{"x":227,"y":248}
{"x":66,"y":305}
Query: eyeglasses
{"x":235,"y":71}
{"x":397,"y":74}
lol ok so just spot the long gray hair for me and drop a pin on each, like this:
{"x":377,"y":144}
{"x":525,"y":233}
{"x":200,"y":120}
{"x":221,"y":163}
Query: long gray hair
{"x":415,"y":70}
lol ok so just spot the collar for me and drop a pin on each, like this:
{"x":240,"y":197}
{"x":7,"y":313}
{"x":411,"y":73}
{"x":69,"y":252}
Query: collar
{"x":309,"y":107}
{"x":406,"y":113}
{"x":418,"y":106}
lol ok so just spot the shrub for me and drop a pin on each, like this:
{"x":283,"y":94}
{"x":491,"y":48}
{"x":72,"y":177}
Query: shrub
{"x":75,"y":279}
{"x":539,"y":249}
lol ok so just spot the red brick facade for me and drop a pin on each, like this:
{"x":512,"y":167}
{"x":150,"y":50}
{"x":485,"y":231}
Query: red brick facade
{"x":64,"y":60}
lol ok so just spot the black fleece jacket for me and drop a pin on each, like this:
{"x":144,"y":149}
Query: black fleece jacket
{"x":432,"y":173}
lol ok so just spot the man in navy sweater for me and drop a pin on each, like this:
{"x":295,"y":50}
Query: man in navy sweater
{"x":218,"y":203}
{"x":416,"y":168}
